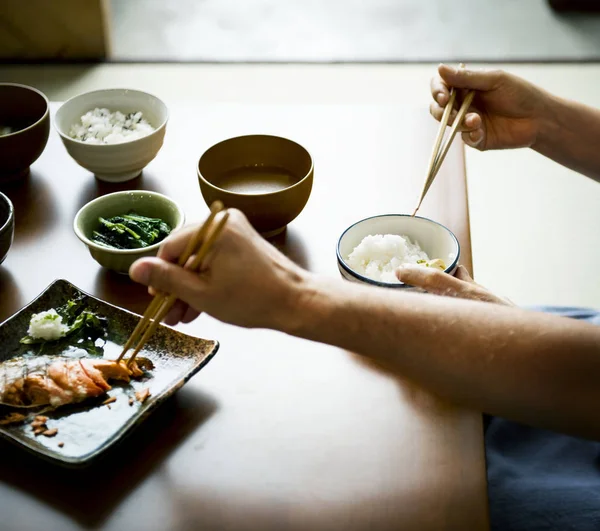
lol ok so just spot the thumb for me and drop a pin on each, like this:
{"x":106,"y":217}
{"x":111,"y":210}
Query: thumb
{"x":166,"y":277}
{"x":430,"y":279}
{"x":466,"y":78}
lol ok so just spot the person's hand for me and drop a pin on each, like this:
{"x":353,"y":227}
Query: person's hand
{"x":245,"y":280}
{"x":505,"y":112}
{"x":437,"y":282}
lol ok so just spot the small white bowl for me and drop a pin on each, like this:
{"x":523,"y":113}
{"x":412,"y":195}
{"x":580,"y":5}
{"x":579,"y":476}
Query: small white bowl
{"x":435,"y":239}
{"x":114,"y":163}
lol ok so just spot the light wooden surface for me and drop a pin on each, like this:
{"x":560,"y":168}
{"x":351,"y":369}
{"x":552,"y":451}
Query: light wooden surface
{"x":276,"y":433}
{"x":55,"y":29}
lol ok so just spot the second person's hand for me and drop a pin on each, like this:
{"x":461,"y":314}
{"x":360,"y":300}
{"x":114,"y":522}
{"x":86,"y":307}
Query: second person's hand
{"x":436,"y":282}
{"x":505,"y":112}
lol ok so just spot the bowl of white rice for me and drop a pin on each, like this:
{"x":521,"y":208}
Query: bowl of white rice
{"x":114,"y":133}
{"x":371,"y":250}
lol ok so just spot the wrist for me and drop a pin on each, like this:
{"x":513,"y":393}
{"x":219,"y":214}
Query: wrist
{"x":548,"y":122}
{"x":308,"y":304}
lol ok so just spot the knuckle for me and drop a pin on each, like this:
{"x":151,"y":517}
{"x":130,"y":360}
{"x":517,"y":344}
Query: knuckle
{"x":435,"y":279}
{"x":497,"y":76}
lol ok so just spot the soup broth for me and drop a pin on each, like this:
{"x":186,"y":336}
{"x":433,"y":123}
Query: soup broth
{"x":256,"y":179}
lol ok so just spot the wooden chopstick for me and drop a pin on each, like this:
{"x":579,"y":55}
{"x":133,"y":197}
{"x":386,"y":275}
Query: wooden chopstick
{"x":438,"y":156}
{"x":456,"y":124}
{"x":168,"y":302}
{"x":436,"y":146}
{"x":159,"y":298}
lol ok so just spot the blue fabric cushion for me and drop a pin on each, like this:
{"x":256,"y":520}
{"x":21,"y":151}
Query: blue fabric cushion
{"x":541,"y":480}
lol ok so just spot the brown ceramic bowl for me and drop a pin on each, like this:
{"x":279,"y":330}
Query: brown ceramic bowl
{"x":7,"y":225}
{"x":268,"y":178}
{"x":26,"y":112}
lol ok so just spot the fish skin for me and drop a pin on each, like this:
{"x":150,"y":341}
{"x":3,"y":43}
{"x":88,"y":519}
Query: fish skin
{"x":28,"y":382}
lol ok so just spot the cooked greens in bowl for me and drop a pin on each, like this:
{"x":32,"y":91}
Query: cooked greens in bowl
{"x":130,"y":231}
{"x":134,"y":223}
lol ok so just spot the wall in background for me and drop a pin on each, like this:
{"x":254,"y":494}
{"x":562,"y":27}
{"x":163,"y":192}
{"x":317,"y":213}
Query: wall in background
{"x":54,"y":29}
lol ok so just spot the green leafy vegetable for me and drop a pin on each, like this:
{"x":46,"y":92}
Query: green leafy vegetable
{"x":85,"y":329}
{"x":130,"y":231}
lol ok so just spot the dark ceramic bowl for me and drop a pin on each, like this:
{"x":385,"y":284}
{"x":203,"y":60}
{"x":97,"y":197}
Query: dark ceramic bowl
{"x":7,"y":225}
{"x":24,"y":129}
{"x":268,"y":178}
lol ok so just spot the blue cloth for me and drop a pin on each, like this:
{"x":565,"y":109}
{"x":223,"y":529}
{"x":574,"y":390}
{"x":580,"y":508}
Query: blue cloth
{"x":541,"y":480}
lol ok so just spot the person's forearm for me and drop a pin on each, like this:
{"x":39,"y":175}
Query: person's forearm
{"x":569,"y":133}
{"x":532,"y":368}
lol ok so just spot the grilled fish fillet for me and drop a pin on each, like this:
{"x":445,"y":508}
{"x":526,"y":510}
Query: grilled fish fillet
{"x":56,"y":381}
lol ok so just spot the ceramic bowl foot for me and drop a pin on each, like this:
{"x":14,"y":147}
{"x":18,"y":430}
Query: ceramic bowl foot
{"x":118,"y":177}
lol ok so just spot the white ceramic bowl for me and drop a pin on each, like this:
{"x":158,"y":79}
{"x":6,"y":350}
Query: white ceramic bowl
{"x":114,"y":163}
{"x":435,"y":239}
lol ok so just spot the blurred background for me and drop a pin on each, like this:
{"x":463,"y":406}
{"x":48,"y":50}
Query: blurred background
{"x":301,"y":30}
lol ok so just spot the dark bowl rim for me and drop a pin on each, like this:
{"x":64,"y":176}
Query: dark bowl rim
{"x":400,"y":285}
{"x":11,"y":213}
{"x":40,"y":120}
{"x":124,"y":252}
{"x":157,"y":130}
{"x":308,"y":174}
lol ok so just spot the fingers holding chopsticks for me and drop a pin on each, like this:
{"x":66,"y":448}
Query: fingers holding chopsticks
{"x":245,"y":281}
{"x":169,"y":278}
{"x":461,"y":80}
{"x":471,"y":122}
{"x":440,"y":91}
{"x":472,"y":129}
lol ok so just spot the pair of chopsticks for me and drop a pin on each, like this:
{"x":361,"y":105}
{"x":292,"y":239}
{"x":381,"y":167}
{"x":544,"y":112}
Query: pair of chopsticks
{"x":438,"y":155}
{"x":162,"y":303}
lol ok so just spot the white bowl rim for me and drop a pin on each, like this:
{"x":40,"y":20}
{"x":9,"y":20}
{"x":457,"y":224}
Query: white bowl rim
{"x":265,"y":194}
{"x":11,"y":212}
{"x":125,"y":252}
{"x":399,"y":285}
{"x":127,"y":142}
{"x":32,"y":89}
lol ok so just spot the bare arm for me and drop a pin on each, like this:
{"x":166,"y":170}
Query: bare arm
{"x":533,"y":368}
{"x":509,"y":112}
{"x":569,"y":133}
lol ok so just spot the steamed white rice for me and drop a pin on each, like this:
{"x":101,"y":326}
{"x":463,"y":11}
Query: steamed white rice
{"x":101,"y":126}
{"x":47,"y":325}
{"x":378,"y":256}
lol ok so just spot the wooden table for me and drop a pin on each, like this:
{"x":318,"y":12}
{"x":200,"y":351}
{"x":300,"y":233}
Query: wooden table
{"x":276,"y":433}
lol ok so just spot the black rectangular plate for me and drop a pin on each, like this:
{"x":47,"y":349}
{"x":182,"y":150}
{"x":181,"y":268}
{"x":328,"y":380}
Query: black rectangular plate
{"x":87,"y":430}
